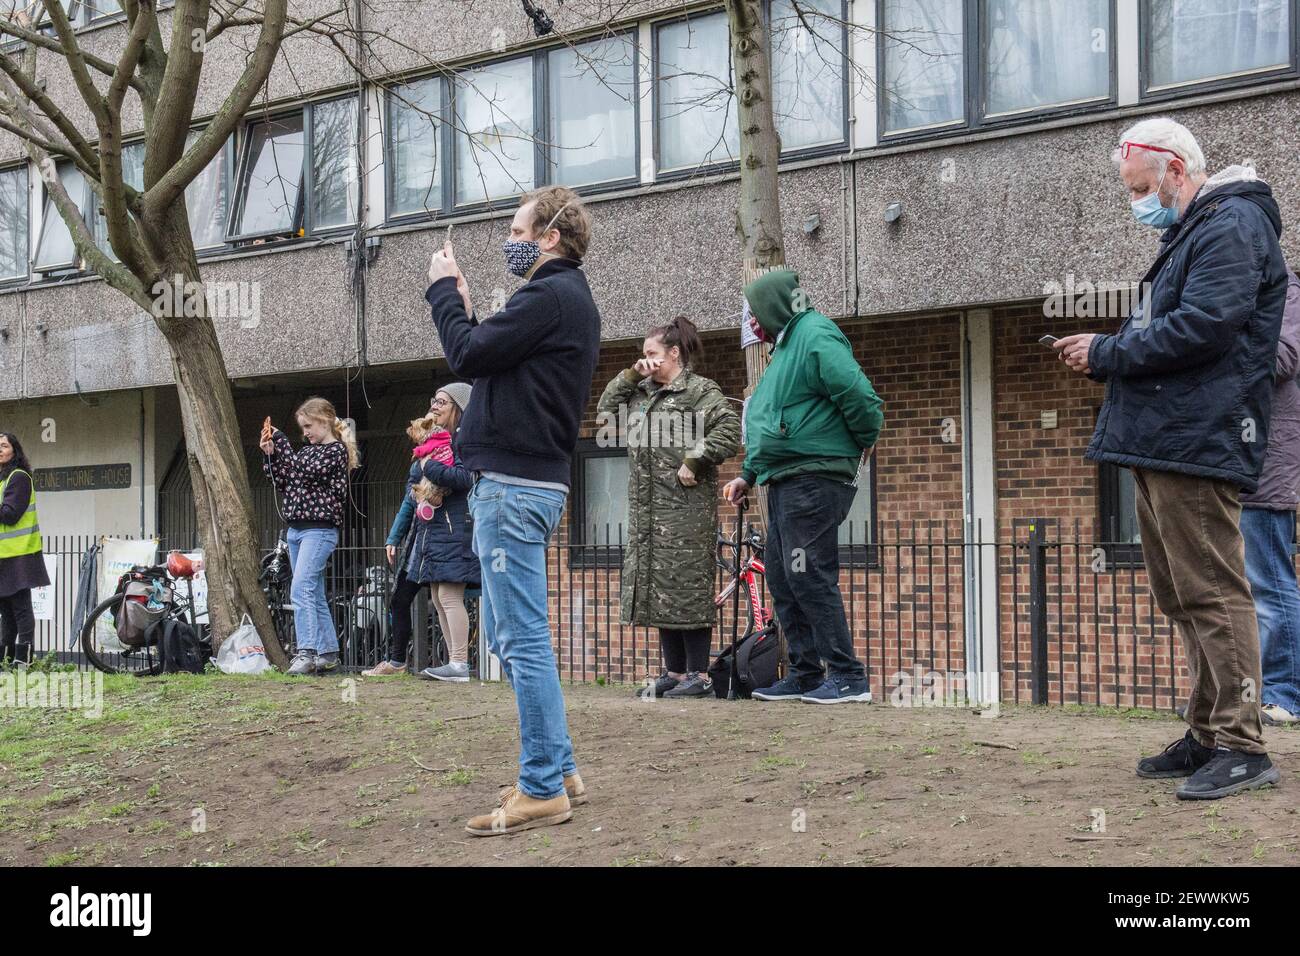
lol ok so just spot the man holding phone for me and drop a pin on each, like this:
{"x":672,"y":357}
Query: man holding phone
{"x":532,"y":365}
{"x":1188,"y":393}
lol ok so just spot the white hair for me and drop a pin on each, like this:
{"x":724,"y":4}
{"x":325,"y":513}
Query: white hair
{"x":1168,"y":134}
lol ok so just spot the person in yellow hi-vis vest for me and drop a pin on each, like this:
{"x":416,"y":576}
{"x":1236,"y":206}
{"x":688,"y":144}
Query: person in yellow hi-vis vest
{"x":22,"y":567}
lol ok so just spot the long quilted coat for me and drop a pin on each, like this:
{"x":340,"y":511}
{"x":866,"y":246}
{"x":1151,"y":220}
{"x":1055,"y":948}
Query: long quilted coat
{"x":668,"y":566}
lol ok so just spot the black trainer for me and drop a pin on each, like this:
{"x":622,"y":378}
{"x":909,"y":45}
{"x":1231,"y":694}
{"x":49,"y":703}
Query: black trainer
{"x":663,"y":684}
{"x":1182,"y":758}
{"x":695,"y":685}
{"x":1229,"y":772}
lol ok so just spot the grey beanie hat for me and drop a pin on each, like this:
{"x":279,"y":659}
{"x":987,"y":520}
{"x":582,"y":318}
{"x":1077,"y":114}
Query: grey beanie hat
{"x":459,"y":392}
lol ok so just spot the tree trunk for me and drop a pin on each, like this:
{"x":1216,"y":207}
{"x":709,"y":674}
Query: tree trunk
{"x":758,"y":214}
{"x":222,"y":497}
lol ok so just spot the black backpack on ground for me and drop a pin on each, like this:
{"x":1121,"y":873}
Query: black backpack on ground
{"x":179,"y":648}
{"x":757,"y":657}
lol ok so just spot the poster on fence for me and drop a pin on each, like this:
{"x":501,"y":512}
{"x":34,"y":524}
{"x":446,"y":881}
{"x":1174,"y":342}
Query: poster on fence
{"x":116,"y":557}
{"x":43,"y":598}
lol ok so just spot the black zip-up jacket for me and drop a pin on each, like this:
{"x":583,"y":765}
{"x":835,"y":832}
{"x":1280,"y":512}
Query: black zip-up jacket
{"x":531,"y":363}
{"x":1189,"y":383}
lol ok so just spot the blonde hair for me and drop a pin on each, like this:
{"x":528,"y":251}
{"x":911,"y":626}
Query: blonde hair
{"x":322,"y":410}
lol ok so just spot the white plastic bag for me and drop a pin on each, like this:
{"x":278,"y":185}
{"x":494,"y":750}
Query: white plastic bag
{"x":242,"y":652}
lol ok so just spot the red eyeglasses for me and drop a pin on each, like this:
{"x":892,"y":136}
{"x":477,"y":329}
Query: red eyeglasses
{"x":1126,"y":146}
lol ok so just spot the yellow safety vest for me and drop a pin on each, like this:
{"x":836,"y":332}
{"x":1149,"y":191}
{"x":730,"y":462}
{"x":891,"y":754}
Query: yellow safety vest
{"x":23,"y":536}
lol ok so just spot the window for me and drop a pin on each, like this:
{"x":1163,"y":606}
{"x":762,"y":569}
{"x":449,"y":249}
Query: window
{"x":924,"y":69}
{"x":598,"y":514}
{"x":54,"y":249}
{"x":414,"y":179}
{"x":857,"y":534}
{"x":1117,"y":514}
{"x":695,"y":109}
{"x":334,"y":192}
{"x":96,"y":9}
{"x":1023,"y":57}
{"x":133,"y":176}
{"x":13,"y":223}
{"x":1040,"y":55}
{"x":809,"y":72}
{"x":591,"y":103}
{"x":1199,"y":41}
{"x":496,"y":151}
{"x":207,"y":198}
{"x":274,"y":198}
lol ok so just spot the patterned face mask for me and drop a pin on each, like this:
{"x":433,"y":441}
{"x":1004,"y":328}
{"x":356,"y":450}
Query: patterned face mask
{"x":522,"y":255}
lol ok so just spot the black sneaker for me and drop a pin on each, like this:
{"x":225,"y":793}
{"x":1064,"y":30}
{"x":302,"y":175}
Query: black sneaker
{"x":1229,"y":772}
{"x":787,"y":688}
{"x":695,"y":685}
{"x":1182,"y":758}
{"x":663,"y":684}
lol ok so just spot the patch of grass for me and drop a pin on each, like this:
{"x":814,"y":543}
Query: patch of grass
{"x":364,"y":822}
{"x":121,"y":809}
{"x":67,"y":858}
{"x":772,"y":762}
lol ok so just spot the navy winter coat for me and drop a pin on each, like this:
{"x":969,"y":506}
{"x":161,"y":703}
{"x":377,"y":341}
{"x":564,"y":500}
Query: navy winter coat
{"x":440,"y":549}
{"x":1189,"y":375}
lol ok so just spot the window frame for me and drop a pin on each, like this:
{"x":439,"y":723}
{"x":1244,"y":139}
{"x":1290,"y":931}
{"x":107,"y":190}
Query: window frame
{"x":442,"y":158}
{"x":543,"y":82}
{"x":87,"y":215}
{"x":583,"y":553}
{"x":681,"y":172}
{"x":1248,"y":78}
{"x":302,"y":219}
{"x":846,"y":91}
{"x":865,"y":554}
{"x":975,"y":35}
{"x":27,"y":225}
{"x":1118,"y":554}
{"x":543,"y":168}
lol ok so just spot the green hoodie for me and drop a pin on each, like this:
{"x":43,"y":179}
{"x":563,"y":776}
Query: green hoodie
{"x":814,"y":411}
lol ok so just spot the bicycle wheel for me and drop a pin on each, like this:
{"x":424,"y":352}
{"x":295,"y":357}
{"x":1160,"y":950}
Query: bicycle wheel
{"x":141,"y":661}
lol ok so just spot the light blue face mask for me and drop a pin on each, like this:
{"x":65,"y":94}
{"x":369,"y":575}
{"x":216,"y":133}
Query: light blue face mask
{"x":1150,"y":212}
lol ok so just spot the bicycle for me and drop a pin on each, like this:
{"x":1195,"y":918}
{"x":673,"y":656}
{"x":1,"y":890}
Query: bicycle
{"x":99,"y":638}
{"x":746,"y":576}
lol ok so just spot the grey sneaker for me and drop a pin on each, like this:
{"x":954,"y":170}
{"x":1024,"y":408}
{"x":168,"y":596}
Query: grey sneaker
{"x":303,"y":663}
{"x":327,"y":662}
{"x":455,"y":673}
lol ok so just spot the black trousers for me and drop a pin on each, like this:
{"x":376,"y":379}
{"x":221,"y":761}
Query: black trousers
{"x":803,"y":573}
{"x":687,"y":650}
{"x":399,"y":608}
{"x":17,"y":626}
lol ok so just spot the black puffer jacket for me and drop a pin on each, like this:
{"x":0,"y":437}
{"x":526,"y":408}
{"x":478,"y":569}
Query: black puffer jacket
{"x":1189,"y":378}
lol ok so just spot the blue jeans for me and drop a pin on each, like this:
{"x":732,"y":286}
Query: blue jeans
{"x":512,"y":524}
{"x":309,"y":552}
{"x":1270,"y":568}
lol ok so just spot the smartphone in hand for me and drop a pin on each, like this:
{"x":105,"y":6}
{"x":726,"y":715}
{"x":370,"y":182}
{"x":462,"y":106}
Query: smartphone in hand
{"x":1048,"y":340}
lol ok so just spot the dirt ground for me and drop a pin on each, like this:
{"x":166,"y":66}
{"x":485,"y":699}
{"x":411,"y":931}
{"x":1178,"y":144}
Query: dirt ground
{"x":276,"y":770}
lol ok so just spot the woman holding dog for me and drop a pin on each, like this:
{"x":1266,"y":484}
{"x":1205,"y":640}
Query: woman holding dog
{"x":22,"y":566}
{"x":680,"y":429}
{"x":434,"y":518}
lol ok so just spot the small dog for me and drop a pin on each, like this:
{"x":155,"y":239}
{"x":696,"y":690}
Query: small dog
{"x":434,"y":443}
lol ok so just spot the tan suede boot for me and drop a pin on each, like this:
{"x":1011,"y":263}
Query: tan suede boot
{"x":519,"y":811}
{"x":574,"y":788}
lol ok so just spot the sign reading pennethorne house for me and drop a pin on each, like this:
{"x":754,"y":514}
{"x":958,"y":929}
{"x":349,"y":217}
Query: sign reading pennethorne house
{"x":83,"y":478}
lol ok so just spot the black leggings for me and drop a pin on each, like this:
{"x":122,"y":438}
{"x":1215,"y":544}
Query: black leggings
{"x":686,"y":651}
{"x":399,"y":606}
{"x":17,"y":626}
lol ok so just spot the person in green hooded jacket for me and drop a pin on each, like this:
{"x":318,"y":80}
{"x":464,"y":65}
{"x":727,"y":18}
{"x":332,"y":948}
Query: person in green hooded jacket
{"x":809,"y":426}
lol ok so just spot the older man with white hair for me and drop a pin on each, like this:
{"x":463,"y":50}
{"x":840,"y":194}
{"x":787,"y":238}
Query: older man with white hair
{"x":1188,"y":391}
